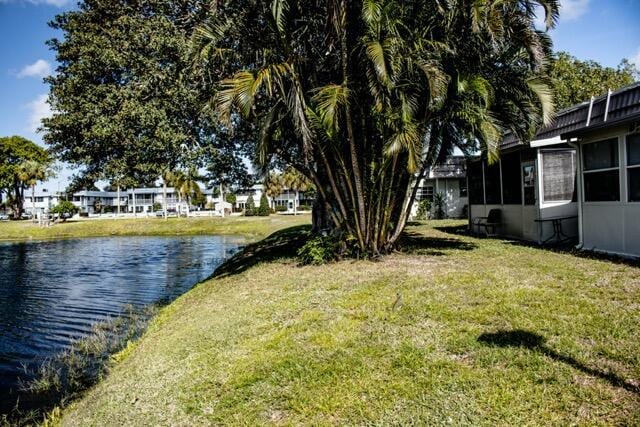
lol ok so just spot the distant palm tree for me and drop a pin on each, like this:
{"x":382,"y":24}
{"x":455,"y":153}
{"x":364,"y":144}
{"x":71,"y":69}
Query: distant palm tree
{"x":273,"y":187}
{"x":186,"y":185}
{"x":30,"y":173}
{"x":167,"y":177}
{"x":294,"y":180}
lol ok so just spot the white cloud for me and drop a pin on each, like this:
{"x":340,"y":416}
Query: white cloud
{"x":40,"y":68}
{"x":39,"y":109}
{"x":570,"y":10}
{"x":56,"y":3}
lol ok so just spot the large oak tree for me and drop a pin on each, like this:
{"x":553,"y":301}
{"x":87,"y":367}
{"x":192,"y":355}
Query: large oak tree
{"x":126,"y":98}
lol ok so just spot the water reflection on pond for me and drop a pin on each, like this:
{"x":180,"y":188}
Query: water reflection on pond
{"x":52,"y":292}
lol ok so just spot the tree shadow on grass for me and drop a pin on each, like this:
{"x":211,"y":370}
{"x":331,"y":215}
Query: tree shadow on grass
{"x":535,"y":342}
{"x":281,"y":244}
{"x":570,"y":249}
{"x":460,"y":230}
{"x":560,"y":248}
{"x":418,"y":244}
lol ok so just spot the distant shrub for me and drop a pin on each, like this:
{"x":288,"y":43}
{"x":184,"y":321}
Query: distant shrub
{"x":157,"y":207}
{"x":318,"y":250}
{"x":65,"y":209}
{"x":250,"y":207}
{"x":263,"y":209}
{"x":281,"y":208}
{"x":304,"y":208}
{"x":424,"y":207}
{"x":438,"y":206}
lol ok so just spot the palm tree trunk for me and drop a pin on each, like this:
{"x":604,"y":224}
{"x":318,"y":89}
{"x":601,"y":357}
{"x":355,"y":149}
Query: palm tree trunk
{"x":33,"y":202}
{"x":164,"y":199}
{"x":360,"y":208}
{"x":295,"y":204}
{"x":222,"y":201}
{"x":119,"y":200}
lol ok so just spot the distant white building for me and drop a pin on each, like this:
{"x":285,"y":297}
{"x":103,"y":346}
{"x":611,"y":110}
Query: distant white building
{"x":44,"y":201}
{"x":285,"y":200}
{"x":450,"y":180}
{"x":135,"y":200}
{"x":144,"y":200}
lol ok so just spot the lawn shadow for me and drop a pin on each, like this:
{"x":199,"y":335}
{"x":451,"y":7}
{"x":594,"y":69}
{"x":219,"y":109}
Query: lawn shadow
{"x":460,"y":230}
{"x":281,"y":244}
{"x":570,"y":249}
{"x":535,"y":342}
{"x":418,"y":244}
{"x":560,"y":248}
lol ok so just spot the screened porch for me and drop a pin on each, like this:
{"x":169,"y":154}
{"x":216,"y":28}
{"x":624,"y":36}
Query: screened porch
{"x":533,"y":188}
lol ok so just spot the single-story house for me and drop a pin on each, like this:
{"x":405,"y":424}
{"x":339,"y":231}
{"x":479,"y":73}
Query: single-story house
{"x":607,"y":136}
{"x":579,"y":177}
{"x":449,"y":179}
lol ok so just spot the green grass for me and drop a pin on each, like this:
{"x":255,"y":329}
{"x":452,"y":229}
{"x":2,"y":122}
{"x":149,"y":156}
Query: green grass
{"x":247,"y":226}
{"x":453,"y":330}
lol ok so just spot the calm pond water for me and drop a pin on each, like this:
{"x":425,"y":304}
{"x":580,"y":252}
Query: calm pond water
{"x":53,"y":292}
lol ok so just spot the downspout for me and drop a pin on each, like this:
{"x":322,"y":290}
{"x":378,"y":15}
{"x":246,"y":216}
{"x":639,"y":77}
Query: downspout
{"x":579,"y":195}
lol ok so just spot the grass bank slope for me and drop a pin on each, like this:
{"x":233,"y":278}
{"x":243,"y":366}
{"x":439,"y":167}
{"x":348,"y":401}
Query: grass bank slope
{"x":248,"y":226}
{"x":453,"y":330}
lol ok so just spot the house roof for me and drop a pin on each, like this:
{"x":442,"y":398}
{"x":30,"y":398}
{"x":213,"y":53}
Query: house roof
{"x":452,"y":167}
{"x":623,"y":106}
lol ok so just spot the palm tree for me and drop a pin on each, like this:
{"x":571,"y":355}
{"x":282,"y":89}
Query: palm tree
{"x":294,"y":180}
{"x":273,"y":187}
{"x":363,"y":96}
{"x":167,"y":178}
{"x":30,"y":173}
{"x":186,"y":185}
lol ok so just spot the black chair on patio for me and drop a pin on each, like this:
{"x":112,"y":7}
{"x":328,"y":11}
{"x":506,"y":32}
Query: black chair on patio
{"x":489,"y":223}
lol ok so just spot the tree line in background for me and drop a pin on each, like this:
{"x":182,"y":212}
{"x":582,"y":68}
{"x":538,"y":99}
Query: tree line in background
{"x":22,"y":165}
{"x":359,"y":98}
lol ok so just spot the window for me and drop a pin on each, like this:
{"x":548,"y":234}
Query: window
{"x":492,"y":184}
{"x":425,"y":192}
{"x":559,"y":175}
{"x":633,"y":167}
{"x":476,"y":188}
{"x":529,"y":183}
{"x":601,"y":155}
{"x":511,"y":187}
{"x":463,"y":187}
{"x":601,"y":171}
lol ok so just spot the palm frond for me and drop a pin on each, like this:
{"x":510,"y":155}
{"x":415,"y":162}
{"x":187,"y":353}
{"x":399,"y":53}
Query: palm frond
{"x":544,"y":94}
{"x":279,"y":8}
{"x":375,"y":53}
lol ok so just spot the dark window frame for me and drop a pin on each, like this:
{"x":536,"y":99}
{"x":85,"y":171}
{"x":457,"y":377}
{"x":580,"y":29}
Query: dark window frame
{"x":463,"y":189}
{"x":493,"y":184}
{"x":511,"y":175}
{"x":602,"y":172}
{"x":475,"y":183}
{"x":631,"y":167}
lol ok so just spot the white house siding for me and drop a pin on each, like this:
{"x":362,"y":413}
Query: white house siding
{"x":612,"y":227}
{"x":44,"y":202}
{"x":454,"y":202}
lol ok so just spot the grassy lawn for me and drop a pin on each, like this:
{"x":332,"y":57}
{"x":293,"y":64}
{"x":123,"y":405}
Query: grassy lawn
{"x":453,"y":330}
{"x":248,"y":226}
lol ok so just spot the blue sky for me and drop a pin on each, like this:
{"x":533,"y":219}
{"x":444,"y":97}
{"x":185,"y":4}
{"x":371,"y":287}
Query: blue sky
{"x":602,"y":30}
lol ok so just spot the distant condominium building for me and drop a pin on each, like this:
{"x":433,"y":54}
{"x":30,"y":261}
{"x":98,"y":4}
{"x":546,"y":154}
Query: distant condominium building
{"x":148,"y":200}
{"x":135,"y":200}
{"x":42,"y":201}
